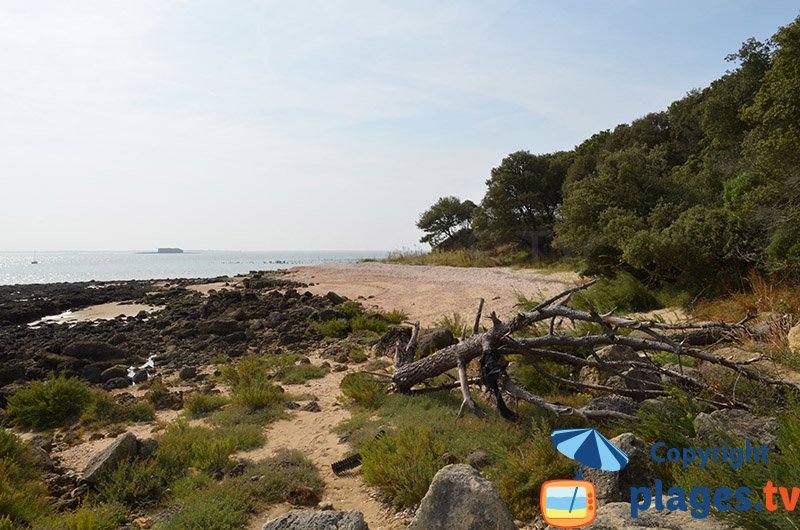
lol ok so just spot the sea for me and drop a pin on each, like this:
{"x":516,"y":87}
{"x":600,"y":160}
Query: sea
{"x":77,"y":266}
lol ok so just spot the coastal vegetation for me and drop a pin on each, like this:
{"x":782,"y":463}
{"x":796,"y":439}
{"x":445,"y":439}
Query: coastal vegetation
{"x":691,"y":197}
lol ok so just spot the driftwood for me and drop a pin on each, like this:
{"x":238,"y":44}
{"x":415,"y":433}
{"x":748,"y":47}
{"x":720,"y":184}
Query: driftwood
{"x":556,"y":345}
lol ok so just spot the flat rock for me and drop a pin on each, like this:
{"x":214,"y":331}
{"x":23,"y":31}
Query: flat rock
{"x":324,"y":520}
{"x":459,"y":498}
{"x":125,"y":446}
{"x":737,"y":423}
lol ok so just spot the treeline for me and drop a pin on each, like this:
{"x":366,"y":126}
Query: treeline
{"x":694,"y":195}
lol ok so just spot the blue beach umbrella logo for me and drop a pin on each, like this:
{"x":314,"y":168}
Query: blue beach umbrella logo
{"x":589,"y":448}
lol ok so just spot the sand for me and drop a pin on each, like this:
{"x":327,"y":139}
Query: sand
{"x":107,"y":311}
{"x":427,"y":293}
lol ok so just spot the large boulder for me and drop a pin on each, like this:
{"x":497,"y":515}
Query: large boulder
{"x":794,"y":338}
{"x":433,"y":340}
{"x":125,"y":447}
{"x":619,"y":375}
{"x":459,"y":498}
{"x":616,"y":486}
{"x":94,"y":351}
{"x":325,"y":520}
{"x":718,"y":425}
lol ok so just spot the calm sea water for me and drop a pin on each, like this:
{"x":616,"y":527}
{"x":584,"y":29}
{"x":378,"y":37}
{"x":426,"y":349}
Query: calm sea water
{"x":16,"y":267}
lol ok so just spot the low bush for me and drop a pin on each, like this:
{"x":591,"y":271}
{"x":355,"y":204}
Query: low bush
{"x":522,"y":470}
{"x":622,"y":293}
{"x":373,"y":323}
{"x":56,"y":402}
{"x":300,"y":373}
{"x":182,"y":446}
{"x":23,"y":494}
{"x":103,"y":410}
{"x":357,"y":355}
{"x":287,"y":477}
{"x":257,"y":395}
{"x":235,"y":414}
{"x":394,"y":317}
{"x":200,"y":405}
{"x":363,"y":390}
{"x":135,"y":483}
{"x":402,"y":464}
{"x":455,"y":323}
{"x":103,"y":516}
{"x":219,"y":507}
{"x":335,"y":328}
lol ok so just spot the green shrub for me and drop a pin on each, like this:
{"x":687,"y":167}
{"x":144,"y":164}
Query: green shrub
{"x":334,"y":328}
{"x":394,"y":317}
{"x":257,"y":394}
{"x":288,"y":477}
{"x":375,"y":324}
{"x":524,"y":468}
{"x":135,"y":483}
{"x":6,"y":523}
{"x":363,"y":390}
{"x":104,"y":410}
{"x":402,"y":464}
{"x":622,"y":293}
{"x":351,"y":309}
{"x":219,"y":507}
{"x":23,"y":494}
{"x":455,"y":324}
{"x":357,"y":355}
{"x":104,"y":516}
{"x":200,"y":405}
{"x":56,"y":402}
{"x":236,"y":414}
{"x":182,"y":446}
{"x":300,"y":373}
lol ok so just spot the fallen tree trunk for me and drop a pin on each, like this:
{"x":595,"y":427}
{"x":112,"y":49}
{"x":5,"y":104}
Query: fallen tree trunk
{"x":498,"y":340}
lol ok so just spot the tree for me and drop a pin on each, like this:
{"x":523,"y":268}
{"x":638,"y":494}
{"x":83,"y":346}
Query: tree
{"x":521,"y":200}
{"x":447,"y":222}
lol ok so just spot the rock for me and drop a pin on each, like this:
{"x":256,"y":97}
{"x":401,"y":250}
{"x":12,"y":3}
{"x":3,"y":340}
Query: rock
{"x":140,"y":376}
{"x":478,"y":458}
{"x":459,"y":498}
{"x":324,"y":520}
{"x":617,"y":353}
{"x":124,"y":447}
{"x":187,"y":372}
{"x":311,"y":406}
{"x":94,"y":351}
{"x":117,"y":382}
{"x":220,"y":327}
{"x":794,"y":338}
{"x":385,"y":345}
{"x":433,"y":340}
{"x":115,"y":372}
{"x":613,"y":486}
{"x":740,"y":424}
{"x":616,"y":403}
{"x":617,"y":516}
{"x":335,"y":299}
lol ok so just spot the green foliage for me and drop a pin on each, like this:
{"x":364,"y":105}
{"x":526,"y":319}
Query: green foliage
{"x":182,"y":446}
{"x":376,"y":324}
{"x":672,"y":421}
{"x":257,"y":395}
{"x":56,"y":402}
{"x":287,"y":477}
{"x":249,"y":380}
{"x":455,"y":323}
{"x":334,"y":328}
{"x":103,"y":410}
{"x":447,"y":223}
{"x":351,"y":309}
{"x":363,"y":390}
{"x":102,"y":516}
{"x":200,"y":405}
{"x":394,"y":317}
{"x":524,"y":468}
{"x":402,"y":464}
{"x":450,"y":258}
{"x":782,"y":468}
{"x":23,"y":495}
{"x":135,"y":483}
{"x":622,"y":293}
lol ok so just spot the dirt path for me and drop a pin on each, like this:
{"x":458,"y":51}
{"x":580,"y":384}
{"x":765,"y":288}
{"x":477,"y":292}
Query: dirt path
{"x":311,"y":433}
{"x":427,"y":293}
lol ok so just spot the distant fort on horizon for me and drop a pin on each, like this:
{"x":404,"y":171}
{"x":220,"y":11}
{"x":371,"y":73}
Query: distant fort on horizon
{"x":169,"y":250}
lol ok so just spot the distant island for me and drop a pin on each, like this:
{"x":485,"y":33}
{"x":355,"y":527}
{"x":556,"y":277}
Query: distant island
{"x":170,"y":250}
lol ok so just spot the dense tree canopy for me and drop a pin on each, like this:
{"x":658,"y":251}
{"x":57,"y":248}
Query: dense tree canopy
{"x":692,"y":195}
{"x":447,"y":223}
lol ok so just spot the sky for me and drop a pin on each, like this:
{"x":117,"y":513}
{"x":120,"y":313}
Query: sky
{"x":261,"y":125}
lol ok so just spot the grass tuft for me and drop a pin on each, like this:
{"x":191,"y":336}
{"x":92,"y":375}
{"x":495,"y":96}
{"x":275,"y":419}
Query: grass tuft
{"x":56,"y":402}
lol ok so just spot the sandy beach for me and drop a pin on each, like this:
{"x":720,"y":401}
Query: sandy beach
{"x":427,"y":293}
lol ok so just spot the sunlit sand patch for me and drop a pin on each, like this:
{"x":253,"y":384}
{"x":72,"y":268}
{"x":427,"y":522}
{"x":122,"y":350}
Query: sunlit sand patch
{"x":107,"y":311}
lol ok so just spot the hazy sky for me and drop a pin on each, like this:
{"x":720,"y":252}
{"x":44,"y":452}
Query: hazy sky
{"x":316,"y":125}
